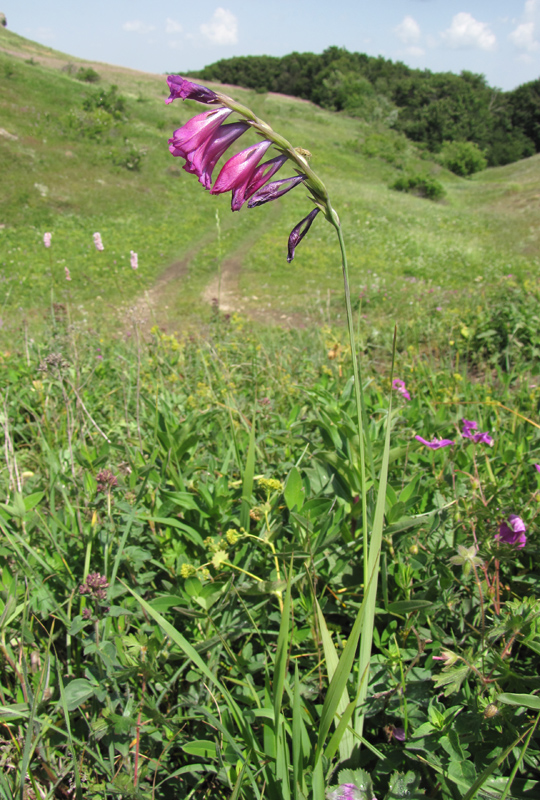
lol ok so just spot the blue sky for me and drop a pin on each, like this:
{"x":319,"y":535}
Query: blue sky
{"x":498,"y":38}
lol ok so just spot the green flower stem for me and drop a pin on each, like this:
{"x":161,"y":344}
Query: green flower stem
{"x":357,"y":394}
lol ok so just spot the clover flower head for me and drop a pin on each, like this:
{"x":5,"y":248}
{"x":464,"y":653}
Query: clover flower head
{"x":512,"y":532}
{"x":187,"y":571}
{"x":435,"y":444}
{"x":399,"y":386}
{"x":106,"y":480}
{"x":95,"y":587}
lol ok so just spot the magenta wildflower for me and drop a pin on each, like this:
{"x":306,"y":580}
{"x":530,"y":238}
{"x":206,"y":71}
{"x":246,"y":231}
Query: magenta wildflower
{"x":513,"y":533}
{"x":181,"y":89}
{"x":435,"y":444}
{"x":469,"y":426}
{"x":537,"y":467}
{"x":274,"y":190}
{"x":97,"y":241}
{"x":68,"y":275}
{"x":298,"y":232}
{"x":201,"y":162}
{"x":197,"y":131}
{"x":399,"y":386}
{"x":346,"y":791}
{"x":238,"y":171}
{"x":134,"y":261}
{"x":47,"y":239}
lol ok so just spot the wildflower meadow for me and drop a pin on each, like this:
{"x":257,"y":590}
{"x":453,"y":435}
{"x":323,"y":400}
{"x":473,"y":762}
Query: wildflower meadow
{"x":262,"y":538}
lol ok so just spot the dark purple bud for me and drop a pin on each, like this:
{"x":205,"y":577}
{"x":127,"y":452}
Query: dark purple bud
{"x":181,"y":89}
{"x":274,"y":190}
{"x":298,"y":233}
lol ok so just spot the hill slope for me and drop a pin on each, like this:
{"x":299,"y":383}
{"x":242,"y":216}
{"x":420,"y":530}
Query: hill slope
{"x":78,"y":158}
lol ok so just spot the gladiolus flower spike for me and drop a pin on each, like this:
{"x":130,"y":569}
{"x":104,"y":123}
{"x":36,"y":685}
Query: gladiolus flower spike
{"x":204,"y":139}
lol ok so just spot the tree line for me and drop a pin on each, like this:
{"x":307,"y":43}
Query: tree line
{"x":430,"y":108}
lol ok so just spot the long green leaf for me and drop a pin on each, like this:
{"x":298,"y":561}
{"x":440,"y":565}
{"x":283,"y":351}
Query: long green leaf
{"x":247,"y":485}
{"x":370,"y":589}
{"x":332,"y":659}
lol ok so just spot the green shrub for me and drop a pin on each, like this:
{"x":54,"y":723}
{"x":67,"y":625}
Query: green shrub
{"x":420,"y":185}
{"x":386,"y":146}
{"x":87,"y":74}
{"x":129,"y":156}
{"x":462,"y":158}
{"x":107,"y":99}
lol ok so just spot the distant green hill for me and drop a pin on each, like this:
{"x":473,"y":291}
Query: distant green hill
{"x":429,"y":108}
{"x":78,"y":156}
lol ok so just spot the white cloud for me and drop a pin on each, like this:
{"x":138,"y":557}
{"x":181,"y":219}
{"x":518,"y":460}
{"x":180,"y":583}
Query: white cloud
{"x":467,"y":32}
{"x":222,"y":28}
{"x":523,"y":38}
{"x":408,"y":31}
{"x":415,"y":52}
{"x":173,"y":26}
{"x":531,"y":7}
{"x":136,"y":26}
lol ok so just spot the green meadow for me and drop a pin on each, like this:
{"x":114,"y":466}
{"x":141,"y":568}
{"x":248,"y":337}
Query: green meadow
{"x":227,"y":569}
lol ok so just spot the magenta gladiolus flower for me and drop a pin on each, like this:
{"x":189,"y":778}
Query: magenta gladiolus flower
{"x":47,"y":239}
{"x":201,"y":162}
{"x":97,"y":241}
{"x":134,"y":261}
{"x":238,"y":171}
{"x":399,"y":386}
{"x":274,"y":190}
{"x":435,"y":444}
{"x":181,"y":89}
{"x":197,"y":131}
{"x":513,"y":533}
{"x":298,"y":233}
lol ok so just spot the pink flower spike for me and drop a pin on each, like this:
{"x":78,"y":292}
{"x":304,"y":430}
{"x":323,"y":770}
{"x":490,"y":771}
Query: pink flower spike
{"x":68,"y":276}
{"x":47,"y":239}
{"x":238,"y":171}
{"x":181,"y":89}
{"x":399,"y":386}
{"x":202,"y":161}
{"x":134,"y":261}
{"x":197,"y":131}
{"x":97,"y":241}
{"x":435,"y":444}
{"x":537,"y":467}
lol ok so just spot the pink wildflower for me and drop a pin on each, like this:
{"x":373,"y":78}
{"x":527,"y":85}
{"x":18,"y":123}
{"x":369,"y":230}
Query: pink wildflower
{"x":435,"y":444}
{"x":47,"y":239}
{"x":97,"y":241}
{"x":399,"y":386}
{"x":133,"y":260}
{"x":68,"y":276}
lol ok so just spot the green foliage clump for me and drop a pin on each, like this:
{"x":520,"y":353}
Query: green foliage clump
{"x":387,"y":146}
{"x":107,"y":99}
{"x":87,"y":74}
{"x":462,"y":158}
{"x":420,"y":185}
{"x":129,"y":156}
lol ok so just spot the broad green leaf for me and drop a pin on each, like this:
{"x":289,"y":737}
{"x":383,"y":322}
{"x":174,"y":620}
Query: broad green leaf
{"x":77,"y":692}
{"x":294,"y":490}
{"x":526,"y":700}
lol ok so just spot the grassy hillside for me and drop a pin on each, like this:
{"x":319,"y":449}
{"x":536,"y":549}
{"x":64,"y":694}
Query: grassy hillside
{"x":74,"y":171}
